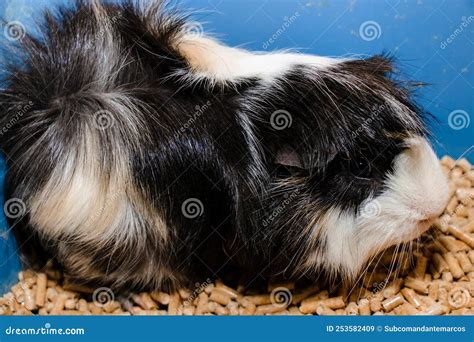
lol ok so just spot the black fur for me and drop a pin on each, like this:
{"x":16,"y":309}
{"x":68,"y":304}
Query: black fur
{"x":344,"y":150}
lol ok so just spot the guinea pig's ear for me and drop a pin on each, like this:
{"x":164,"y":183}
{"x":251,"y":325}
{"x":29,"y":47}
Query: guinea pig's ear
{"x":287,"y":156}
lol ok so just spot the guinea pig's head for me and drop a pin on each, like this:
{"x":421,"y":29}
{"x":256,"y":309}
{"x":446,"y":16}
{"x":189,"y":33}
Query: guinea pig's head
{"x":357,"y":174}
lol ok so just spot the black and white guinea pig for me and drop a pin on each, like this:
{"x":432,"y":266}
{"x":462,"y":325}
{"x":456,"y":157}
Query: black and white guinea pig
{"x":142,"y":153}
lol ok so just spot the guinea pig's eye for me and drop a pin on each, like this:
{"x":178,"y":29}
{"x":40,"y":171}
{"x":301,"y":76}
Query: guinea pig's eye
{"x":361,"y":167}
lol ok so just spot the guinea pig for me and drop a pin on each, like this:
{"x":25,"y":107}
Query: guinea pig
{"x":144,"y":154}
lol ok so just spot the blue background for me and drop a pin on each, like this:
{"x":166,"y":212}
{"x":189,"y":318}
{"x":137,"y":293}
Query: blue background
{"x":415,"y":31}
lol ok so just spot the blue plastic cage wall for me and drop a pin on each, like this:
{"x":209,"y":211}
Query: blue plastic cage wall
{"x":432,"y":40}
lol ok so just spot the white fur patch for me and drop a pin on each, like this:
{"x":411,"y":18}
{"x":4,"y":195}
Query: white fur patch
{"x":417,"y":192}
{"x":215,"y":62}
{"x":91,"y":193}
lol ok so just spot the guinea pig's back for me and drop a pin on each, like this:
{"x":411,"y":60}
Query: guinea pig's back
{"x":119,"y":165}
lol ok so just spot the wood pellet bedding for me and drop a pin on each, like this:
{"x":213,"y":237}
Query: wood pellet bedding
{"x":435,"y":276}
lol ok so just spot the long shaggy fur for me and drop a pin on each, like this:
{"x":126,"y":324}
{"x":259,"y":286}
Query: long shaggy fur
{"x":151,"y":157}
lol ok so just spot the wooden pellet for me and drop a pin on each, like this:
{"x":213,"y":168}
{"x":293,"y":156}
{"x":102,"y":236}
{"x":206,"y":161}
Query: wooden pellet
{"x":452,"y":204}
{"x":41,"y":282}
{"x":464,"y":262}
{"x":174,"y":304}
{"x":447,"y":276}
{"x":249,"y":307}
{"x":375,"y":304}
{"x":433,"y":310}
{"x":220,"y":296}
{"x":322,"y":310}
{"x":406,"y":309}
{"x":227,"y":290}
{"x":417,"y":285}
{"x":469,"y":227}
{"x":233,"y":308}
{"x":298,"y":297}
{"x":453,"y":245}
{"x":58,"y":304}
{"x":202,"y":301}
{"x":161,"y":297}
{"x":364,"y":307}
{"x":439,"y":263}
{"x":184,"y":294}
{"x":392,"y":302}
{"x":147,"y":302}
{"x":411,"y":297}
{"x":453,"y":265}
{"x":421,"y":264}
{"x":433,"y":290}
{"x":393,"y":288}
{"x":189,"y":310}
{"x":268,"y":308}
{"x":465,"y":237}
{"x":111,"y":306}
{"x":352,"y":309}
{"x":333,"y":303}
